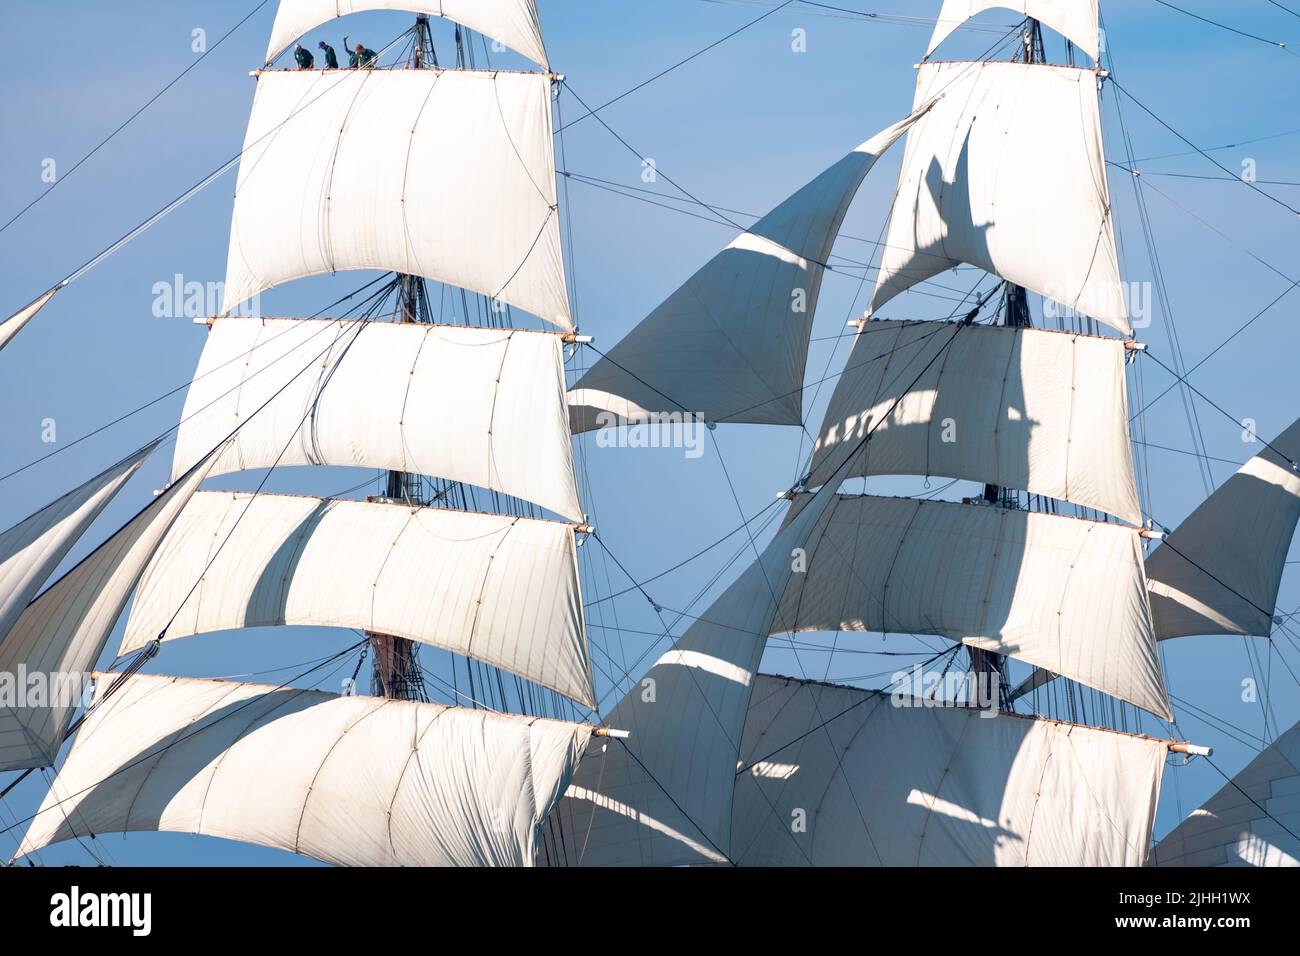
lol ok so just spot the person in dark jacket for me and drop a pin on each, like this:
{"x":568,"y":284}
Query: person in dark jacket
{"x":360,"y":56}
{"x":331,"y":60}
{"x":305,"y":60}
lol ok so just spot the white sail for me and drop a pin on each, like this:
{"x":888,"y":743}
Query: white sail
{"x":497,"y":588}
{"x":1219,"y":571}
{"x":33,"y":548}
{"x":1045,"y":412}
{"x":889,"y":781}
{"x":61,"y":634}
{"x":1009,"y":153}
{"x":663,"y":796}
{"x":14,"y":324}
{"x":481,"y":406}
{"x":731,"y":344}
{"x":1062,"y":593}
{"x":1254,"y":820}
{"x":512,"y":22}
{"x":356,"y":781}
{"x":444,"y":174}
{"x":1076,"y":20}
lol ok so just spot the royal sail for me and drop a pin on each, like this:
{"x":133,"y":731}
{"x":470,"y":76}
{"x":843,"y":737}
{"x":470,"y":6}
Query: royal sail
{"x":448,"y":175}
{"x":15,"y":323}
{"x":1076,"y":20}
{"x":511,"y":22}
{"x":1008,"y":154}
{"x":1061,"y":593}
{"x":477,"y":405}
{"x":731,"y":344}
{"x":888,"y":780}
{"x":356,"y":781}
{"x":500,"y":589}
{"x":1039,"y":411}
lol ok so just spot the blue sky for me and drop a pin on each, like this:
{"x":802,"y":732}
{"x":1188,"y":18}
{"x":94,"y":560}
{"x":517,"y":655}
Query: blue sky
{"x":741,"y":127}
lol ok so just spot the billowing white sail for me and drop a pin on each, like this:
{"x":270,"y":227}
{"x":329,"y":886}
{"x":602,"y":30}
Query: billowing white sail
{"x":1062,"y":593}
{"x":14,"y":324}
{"x":663,"y":796}
{"x":497,"y":588}
{"x":512,"y":22}
{"x":61,"y":634}
{"x":444,"y":174}
{"x":356,"y":781}
{"x":1045,"y":412}
{"x":1076,"y":20}
{"x":1219,"y":571}
{"x":878,"y":780}
{"x":481,"y":406}
{"x":33,"y":548}
{"x":1254,"y":820}
{"x":1009,"y":153}
{"x":731,"y":344}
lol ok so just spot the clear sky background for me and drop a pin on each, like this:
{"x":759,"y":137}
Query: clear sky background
{"x":740,"y":127}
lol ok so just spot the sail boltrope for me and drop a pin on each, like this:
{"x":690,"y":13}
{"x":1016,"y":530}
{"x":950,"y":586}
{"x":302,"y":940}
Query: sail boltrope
{"x":356,"y":781}
{"x":14,"y":324}
{"x":401,"y":170}
{"x":1039,"y":411}
{"x":1008,"y":153}
{"x":511,"y":22}
{"x":33,"y":548}
{"x":1076,"y":20}
{"x":663,"y":796}
{"x":61,"y":634}
{"x":1219,"y":571}
{"x":476,"y":405}
{"x":501,"y":589}
{"x":1253,"y":821}
{"x":886,"y":780}
{"x":1058,"y":592}
{"x":731,"y":344}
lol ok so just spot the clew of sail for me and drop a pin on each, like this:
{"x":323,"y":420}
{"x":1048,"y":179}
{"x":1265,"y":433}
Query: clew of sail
{"x":14,"y":324}
{"x":356,"y":781}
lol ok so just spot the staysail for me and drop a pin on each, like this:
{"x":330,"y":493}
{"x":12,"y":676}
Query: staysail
{"x":663,"y":796}
{"x":840,"y":776}
{"x":731,"y":344}
{"x":1035,"y":410}
{"x":356,"y":781}
{"x":478,"y":405}
{"x":1008,"y":153}
{"x":497,"y":588}
{"x":1253,"y":821}
{"x":512,"y":22}
{"x":399,"y":170}
{"x":1076,"y":20}
{"x":61,"y":634}
{"x":1219,"y":571}
{"x":33,"y":548}
{"x":1059,"y":592}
